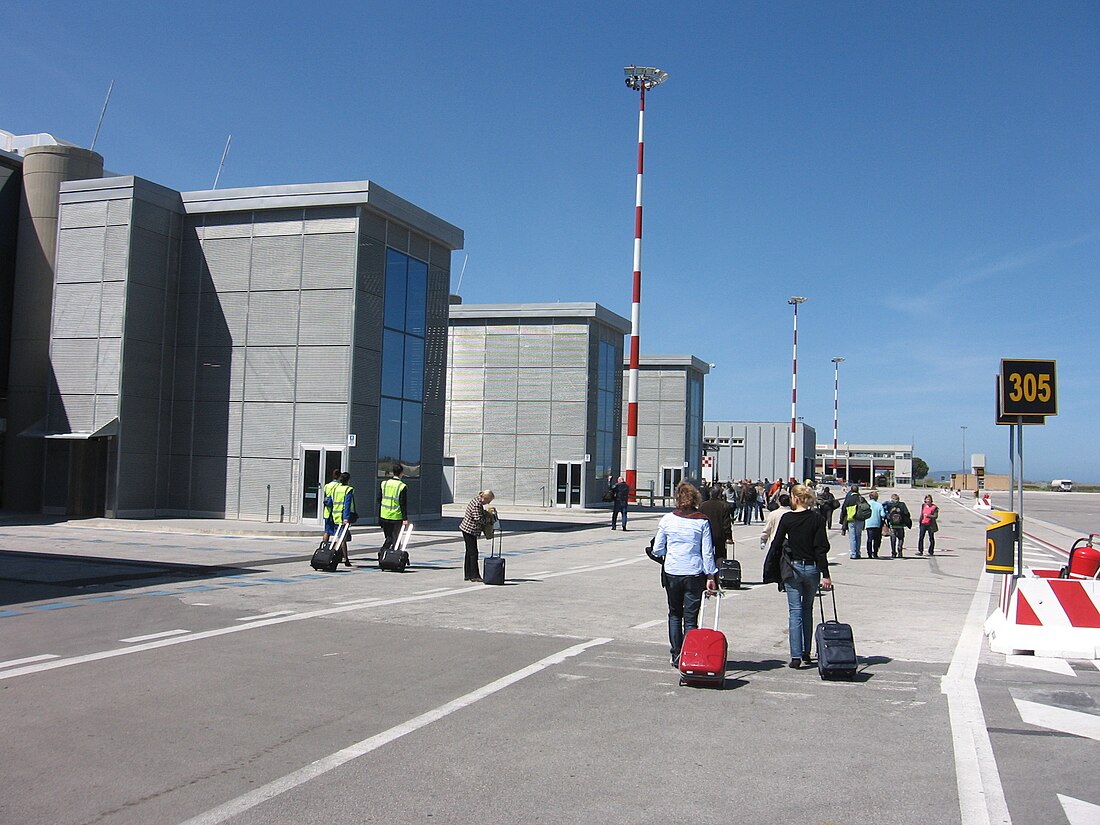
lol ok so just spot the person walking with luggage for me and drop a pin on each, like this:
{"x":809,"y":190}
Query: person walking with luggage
{"x":684,"y":541}
{"x":929,"y":524}
{"x":855,"y":514}
{"x":873,"y":524}
{"x":340,"y":505}
{"x":717,"y":512}
{"x":393,"y":504}
{"x":760,"y":493}
{"x":798,"y":561}
{"x":326,"y":498}
{"x":897,"y":519}
{"x":620,"y":491}
{"x":474,"y":521}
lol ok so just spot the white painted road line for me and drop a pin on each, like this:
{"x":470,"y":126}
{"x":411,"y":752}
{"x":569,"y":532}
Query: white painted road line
{"x":981,"y":796}
{"x":157,"y":643}
{"x":28,"y":660}
{"x":152,"y":636}
{"x":360,"y":602}
{"x":433,"y":590}
{"x":1079,"y":812}
{"x":1073,"y":722}
{"x":265,"y":615}
{"x":1047,"y":663}
{"x":324,"y":765}
{"x":646,"y":625}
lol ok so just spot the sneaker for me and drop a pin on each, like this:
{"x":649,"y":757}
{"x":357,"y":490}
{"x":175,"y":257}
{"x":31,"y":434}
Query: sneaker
{"x":931,"y":552}
{"x":794,"y":664}
{"x":806,"y":658}
{"x":675,"y":662}
{"x":856,"y":556}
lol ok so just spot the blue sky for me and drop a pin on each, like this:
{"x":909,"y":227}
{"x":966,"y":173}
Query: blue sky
{"x":925,"y":173}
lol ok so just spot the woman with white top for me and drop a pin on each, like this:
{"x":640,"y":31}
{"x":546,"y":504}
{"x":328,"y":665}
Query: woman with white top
{"x":683,"y":540}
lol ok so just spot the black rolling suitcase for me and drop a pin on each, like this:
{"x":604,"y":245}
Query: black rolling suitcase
{"x":328,"y":555}
{"x":729,"y":573}
{"x":395,"y":559}
{"x":494,"y":562}
{"x":836,"y":646}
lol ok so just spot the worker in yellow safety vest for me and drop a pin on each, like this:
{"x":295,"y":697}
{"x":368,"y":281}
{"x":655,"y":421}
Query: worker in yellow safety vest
{"x":326,"y":500}
{"x":340,"y":507}
{"x":393,"y":506}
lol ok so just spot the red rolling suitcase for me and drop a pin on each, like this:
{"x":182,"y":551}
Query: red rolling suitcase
{"x":703,"y":656}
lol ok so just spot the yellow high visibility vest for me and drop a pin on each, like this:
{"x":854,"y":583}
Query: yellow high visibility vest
{"x":391,"y":499}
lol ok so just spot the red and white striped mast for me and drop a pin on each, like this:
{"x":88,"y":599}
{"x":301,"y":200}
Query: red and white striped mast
{"x":794,"y":301}
{"x":836,"y":405}
{"x":639,"y":78}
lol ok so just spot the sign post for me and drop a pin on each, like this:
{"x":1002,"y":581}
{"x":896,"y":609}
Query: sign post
{"x":1027,"y":392}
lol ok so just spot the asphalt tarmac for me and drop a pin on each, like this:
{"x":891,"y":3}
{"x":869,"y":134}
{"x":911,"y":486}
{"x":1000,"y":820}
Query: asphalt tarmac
{"x":201,"y":678}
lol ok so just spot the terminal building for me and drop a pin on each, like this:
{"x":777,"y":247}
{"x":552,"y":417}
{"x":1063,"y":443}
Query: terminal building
{"x":218,"y":353}
{"x":533,"y":410}
{"x":670,"y":421}
{"x":757,"y":450}
{"x":879,"y":465}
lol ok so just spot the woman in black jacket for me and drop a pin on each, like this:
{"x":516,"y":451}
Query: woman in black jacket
{"x":798,"y":560}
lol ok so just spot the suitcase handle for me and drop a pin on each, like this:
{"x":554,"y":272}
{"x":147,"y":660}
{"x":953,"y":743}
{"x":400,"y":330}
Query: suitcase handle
{"x":403,"y":537}
{"x":821,"y":595}
{"x":717,"y":595}
{"x":497,"y":541}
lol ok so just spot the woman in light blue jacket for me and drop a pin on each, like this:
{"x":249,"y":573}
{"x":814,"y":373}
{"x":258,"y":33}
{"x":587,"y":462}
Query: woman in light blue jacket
{"x":874,"y":525}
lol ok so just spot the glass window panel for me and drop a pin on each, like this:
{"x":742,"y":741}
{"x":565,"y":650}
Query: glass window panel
{"x":397,"y":266}
{"x":416,"y":297}
{"x":411,"y":414}
{"x":389,"y":431}
{"x":393,"y":362}
{"x":414,"y":369}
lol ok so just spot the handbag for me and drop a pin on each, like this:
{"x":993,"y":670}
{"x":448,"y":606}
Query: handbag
{"x":609,"y":495}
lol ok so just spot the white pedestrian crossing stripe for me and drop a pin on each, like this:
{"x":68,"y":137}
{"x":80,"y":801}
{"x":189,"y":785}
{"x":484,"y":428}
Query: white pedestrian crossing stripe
{"x":1079,"y":812}
{"x":1073,"y":722}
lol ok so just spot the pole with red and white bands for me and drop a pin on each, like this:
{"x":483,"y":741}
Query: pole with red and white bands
{"x":836,"y":406}
{"x":794,"y":301}
{"x":639,"y":78}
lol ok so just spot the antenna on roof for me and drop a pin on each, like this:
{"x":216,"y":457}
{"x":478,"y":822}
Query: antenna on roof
{"x":222,"y":164}
{"x":458,"y":289}
{"x":102,"y":112}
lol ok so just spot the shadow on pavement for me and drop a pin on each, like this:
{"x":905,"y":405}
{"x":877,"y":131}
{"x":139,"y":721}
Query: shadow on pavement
{"x":26,"y":576}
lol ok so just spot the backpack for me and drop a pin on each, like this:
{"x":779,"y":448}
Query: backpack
{"x":897,"y":517}
{"x":863,"y":510}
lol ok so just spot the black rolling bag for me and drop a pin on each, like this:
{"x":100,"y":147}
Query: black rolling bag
{"x":836,"y":646}
{"x":395,"y":559}
{"x":494,"y":562}
{"x":729,"y":573}
{"x":328,"y":555}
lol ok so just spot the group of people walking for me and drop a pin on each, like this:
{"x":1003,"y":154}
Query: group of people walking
{"x":860,"y":515}
{"x":393,"y":507}
{"x":795,"y":536}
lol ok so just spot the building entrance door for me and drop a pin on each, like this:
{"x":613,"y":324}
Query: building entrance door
{"x":568,"y":485}
{"x":316,"y":463}
{"x":670,"y":480}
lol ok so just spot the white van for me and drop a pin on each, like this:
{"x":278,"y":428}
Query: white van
{"x":1062,"y":485}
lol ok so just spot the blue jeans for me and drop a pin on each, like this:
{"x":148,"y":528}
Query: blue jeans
{"x":685,"y":595}
{"x":801,"y":591}
{"x":855,"y":533}
{"x":617,"y":508}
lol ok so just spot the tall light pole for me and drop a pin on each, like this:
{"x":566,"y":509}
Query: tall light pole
{"x":641,"y":79}
{"x":836,"y":405}
{"x":794,"y":301}
{"x":963,"y":428}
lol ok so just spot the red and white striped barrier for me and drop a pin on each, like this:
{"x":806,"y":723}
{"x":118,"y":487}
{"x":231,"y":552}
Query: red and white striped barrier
{"x":1047,"y":616}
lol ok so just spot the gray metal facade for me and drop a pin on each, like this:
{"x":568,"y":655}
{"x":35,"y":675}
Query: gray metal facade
{"x":670,"y":399}
{"x":758,"y":449}
{"x":524,"y":395}
{"x":226,"y":329}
